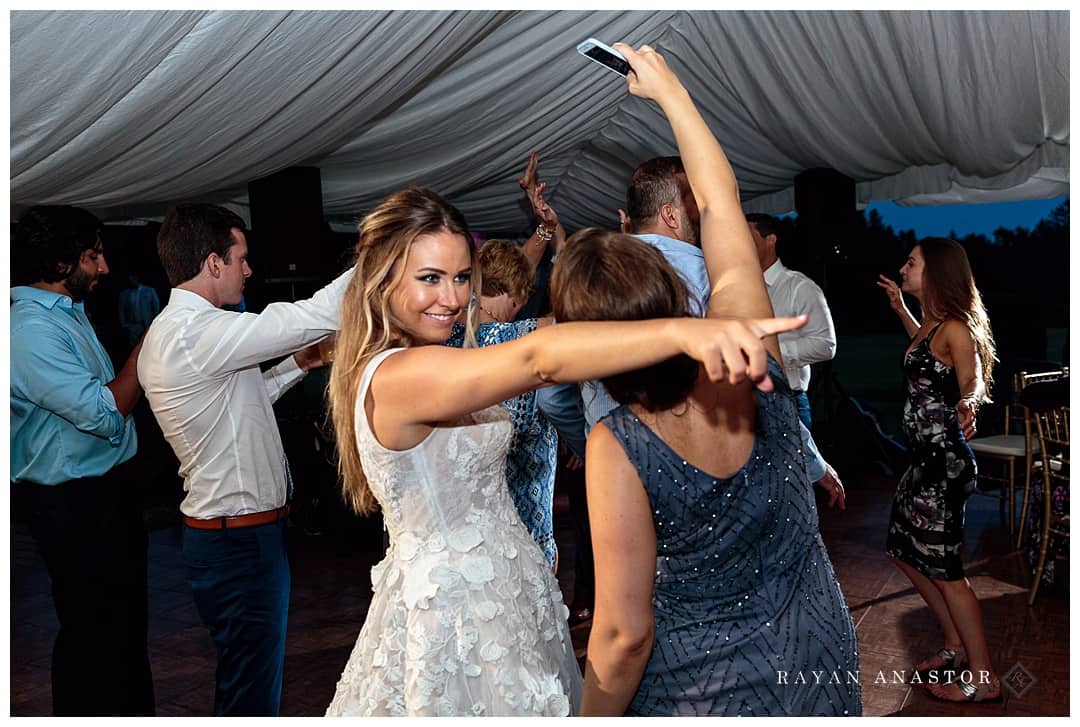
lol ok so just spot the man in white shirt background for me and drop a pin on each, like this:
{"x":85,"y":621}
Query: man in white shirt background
{"x":200,"y":369}
{"x":793,"y":293}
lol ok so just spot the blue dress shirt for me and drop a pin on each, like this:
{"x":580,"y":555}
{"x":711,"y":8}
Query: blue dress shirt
{"x":64,"y":420}
{"x":561,"y":404}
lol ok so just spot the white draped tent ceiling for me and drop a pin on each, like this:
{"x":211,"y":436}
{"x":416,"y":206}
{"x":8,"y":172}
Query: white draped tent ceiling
{"x":126,"y":113}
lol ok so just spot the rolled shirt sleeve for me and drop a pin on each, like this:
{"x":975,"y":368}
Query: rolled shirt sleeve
{"x":282,"y":377}
{"x":48,"y":372}
{"x":64,"y":421}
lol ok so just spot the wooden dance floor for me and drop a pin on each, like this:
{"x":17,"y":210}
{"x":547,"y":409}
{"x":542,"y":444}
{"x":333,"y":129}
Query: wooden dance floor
{"x":331,"y":592}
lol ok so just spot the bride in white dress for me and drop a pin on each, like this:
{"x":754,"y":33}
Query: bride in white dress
{"x":466,"y":617}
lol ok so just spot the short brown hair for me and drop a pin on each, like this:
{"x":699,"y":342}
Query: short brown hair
{"x":505,"y":269}
{"x":609,"y":276}
{"x":766,"y":224}
{"x":655,"y":183}
{"x":190,"y":233}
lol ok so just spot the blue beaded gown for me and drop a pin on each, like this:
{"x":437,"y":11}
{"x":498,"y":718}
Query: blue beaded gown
{"x":746,"y":602}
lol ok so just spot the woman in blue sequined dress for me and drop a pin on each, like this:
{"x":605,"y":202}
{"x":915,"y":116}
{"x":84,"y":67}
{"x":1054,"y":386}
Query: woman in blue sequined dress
{"x":714,"y":592}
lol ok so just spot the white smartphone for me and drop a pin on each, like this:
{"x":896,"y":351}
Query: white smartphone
{"x":605,"y":55}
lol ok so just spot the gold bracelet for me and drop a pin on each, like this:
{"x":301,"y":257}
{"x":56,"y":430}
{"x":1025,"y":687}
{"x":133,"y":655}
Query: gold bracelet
{"x":545,"y":234}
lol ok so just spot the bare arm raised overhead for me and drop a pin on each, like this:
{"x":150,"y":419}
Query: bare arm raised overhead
{"x":738,"y":288}
{"x":549,"y":231}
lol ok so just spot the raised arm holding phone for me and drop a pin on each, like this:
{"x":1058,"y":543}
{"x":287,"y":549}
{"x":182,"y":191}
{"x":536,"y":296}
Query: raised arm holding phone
{"x":698,"y":500}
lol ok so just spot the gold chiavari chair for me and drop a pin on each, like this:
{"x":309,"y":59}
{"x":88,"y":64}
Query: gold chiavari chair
{"x":999,"y":455}
{"x":1032,"y":461}
{"x":1051,"y":424}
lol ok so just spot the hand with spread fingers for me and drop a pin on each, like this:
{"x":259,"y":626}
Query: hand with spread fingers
{"x":549,"y":232}
{"x":543,"y":212}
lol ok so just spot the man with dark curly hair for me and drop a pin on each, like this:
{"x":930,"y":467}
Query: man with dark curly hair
{"x":72,"y":442}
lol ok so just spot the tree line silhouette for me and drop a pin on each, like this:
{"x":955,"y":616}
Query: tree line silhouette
{"x":1022,"y":274}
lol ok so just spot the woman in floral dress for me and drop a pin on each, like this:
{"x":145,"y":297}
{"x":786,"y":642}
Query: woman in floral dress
{"x":948,"y":367}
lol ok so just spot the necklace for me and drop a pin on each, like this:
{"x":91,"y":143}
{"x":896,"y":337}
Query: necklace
{"x":707,"y":408}
{"x":490,"y":315}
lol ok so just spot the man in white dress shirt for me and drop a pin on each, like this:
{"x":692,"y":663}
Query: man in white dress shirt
{"x":200,"y":369}
{"x":792,"y":294}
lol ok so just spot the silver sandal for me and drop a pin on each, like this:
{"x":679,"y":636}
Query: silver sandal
{"x":970,"y":693}
{"x":949,"y":660}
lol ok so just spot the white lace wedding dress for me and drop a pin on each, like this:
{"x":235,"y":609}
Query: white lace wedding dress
{"x":466,"y":616}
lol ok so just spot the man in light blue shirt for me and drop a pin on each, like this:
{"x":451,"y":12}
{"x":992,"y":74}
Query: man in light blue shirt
{"x":65,"y":423}
{"x":661,"y":211}
{"x":72,"y":439}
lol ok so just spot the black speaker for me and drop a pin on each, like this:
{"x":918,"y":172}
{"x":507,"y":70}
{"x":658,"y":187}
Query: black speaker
{"x":288,"y":233}
{"x":824,"y":199}
{"x":825,"y":203}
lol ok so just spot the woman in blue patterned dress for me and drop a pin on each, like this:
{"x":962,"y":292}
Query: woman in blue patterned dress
{"x":534,"y":447}
{"x":948,"y":367}
{"x":714,"y":592}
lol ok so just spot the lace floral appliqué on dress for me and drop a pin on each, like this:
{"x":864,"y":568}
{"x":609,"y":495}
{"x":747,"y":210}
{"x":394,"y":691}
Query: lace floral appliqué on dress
{"x":534,"y":445}
{"x":466,"y":617}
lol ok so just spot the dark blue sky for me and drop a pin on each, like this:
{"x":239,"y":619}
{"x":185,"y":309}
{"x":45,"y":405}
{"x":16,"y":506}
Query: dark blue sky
{"x":964,"y":219}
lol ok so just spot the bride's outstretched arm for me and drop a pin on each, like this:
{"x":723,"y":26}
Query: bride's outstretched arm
{"x":430,"y":384}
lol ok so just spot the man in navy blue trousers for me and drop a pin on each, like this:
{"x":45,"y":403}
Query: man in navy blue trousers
{"x":200,"y":368}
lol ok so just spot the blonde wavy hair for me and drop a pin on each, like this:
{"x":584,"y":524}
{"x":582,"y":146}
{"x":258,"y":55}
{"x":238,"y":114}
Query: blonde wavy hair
{"x":367,"y":325}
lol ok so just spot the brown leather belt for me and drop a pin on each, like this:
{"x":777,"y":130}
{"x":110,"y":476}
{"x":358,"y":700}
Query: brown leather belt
{"x":239,"y":521}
